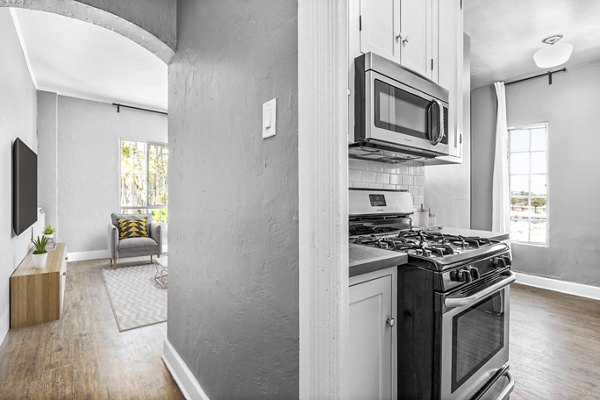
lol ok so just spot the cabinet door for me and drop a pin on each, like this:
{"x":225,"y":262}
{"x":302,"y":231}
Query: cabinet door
{"x":451,"y":68}
{"x":416,"y":36}
{"x":379,"y":21}
{"x":372,"y":344}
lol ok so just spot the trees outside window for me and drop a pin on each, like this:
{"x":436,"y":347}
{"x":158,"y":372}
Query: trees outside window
{"x":143,"y":182}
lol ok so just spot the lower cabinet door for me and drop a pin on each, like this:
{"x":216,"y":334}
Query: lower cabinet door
{"x":372,"y":342}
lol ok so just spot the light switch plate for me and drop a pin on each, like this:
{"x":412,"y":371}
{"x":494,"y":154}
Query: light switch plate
{"x":269,"y":127}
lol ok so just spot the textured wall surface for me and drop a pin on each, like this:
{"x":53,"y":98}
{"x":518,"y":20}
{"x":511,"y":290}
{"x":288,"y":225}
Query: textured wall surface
{"x":87,"y":174}
{"x":17,"y":119}
{"x":570,"y":106}
{"x":233,"y":229}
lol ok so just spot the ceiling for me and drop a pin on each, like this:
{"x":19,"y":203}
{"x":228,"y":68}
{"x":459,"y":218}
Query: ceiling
{"x":79,"y":59}
{"x":506,"y":33}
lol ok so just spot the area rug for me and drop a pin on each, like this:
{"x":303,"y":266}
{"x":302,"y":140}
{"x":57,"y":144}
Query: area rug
{"x":135,"y":297}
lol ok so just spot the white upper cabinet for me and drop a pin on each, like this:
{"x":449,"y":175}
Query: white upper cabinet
{"x":404,"y":31}
{"x":379,"y":19}
{"x":418,"y":49}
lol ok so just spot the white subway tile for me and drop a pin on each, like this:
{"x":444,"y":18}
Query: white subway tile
{"x":414,"y":190}
{"x":419,"y":180}
{"x":389,"y":187}
{"x":374,"y":185}
{"x":354,"y":175}
{"x":395,"y":179}
{"x":421,"y":191}
{"x":368,"y":177}
{"x":402,"y":187}
{"x":407,"y":180}
{"x":383,"y":178}
{"x":417,"y":200}
{"x":403,"y":169}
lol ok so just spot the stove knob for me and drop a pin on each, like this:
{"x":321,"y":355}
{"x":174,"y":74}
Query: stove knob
{"x":474,"y":272}
{"x":462,"y":275}
{"x":499,"y":262}
{"x":507,"y":260}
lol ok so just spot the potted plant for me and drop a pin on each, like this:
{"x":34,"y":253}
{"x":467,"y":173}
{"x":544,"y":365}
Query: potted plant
{"x":49,"y":232}
{"x":40,"y":254}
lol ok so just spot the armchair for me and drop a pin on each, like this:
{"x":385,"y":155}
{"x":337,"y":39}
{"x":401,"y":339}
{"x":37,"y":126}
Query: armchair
{"x":133,"y":247}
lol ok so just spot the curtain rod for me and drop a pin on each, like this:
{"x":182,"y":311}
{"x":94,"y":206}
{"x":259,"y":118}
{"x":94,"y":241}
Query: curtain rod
{"x":118,"y":105}
{"x":548,"y":74}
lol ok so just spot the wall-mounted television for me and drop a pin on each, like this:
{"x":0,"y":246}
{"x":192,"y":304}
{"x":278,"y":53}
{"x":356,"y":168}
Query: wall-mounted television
{"x":25,"y":201}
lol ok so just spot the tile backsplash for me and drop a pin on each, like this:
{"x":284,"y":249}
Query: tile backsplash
{"x":376,"y":175}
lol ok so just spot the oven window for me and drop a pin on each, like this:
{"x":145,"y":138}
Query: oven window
{"x":477,"y":335}
{"x":400,"y":111}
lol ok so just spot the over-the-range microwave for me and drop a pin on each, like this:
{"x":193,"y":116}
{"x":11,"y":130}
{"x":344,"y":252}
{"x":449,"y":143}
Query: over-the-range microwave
{"x":398,"y":114}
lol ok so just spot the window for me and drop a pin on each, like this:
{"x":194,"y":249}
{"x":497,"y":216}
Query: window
{"x":528,"y":166}
{"x":143,"y":182}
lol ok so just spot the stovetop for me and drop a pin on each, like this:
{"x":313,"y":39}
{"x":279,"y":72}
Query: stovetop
{"x":434,"y":250}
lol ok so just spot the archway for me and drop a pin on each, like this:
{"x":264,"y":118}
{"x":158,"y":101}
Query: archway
{"x":151,"y":25}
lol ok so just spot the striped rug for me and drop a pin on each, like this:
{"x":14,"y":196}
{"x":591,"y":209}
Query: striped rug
{"x":136,"y":299}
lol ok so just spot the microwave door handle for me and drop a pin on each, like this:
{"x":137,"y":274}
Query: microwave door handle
{"x":441,"y":124}
{"x":451,"y":302}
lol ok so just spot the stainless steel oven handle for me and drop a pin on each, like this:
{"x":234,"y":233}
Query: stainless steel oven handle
{"x":465,"y":301}
{"x":508,"y":388}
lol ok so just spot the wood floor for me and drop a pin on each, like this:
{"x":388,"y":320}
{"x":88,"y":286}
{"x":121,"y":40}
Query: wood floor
{"x":555,"y":345}
{"x":84,"y":356}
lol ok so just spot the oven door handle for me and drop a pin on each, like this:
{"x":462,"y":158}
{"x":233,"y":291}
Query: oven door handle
{"x":452,"y":302}
{"x":508,"y":388}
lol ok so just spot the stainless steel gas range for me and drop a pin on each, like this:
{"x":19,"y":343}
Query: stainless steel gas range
{"x":453,"y":302}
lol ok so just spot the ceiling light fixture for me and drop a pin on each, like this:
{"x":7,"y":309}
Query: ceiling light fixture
{"x":553,"y":55}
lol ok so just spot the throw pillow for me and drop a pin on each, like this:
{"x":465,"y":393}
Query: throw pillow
{"x":130,"y":228}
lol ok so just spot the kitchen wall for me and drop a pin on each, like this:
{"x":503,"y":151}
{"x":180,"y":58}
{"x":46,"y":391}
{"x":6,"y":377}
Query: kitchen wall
{"x":79,"y":163}
{"x":17,"y":120}
{"x":570,"y":106}
{"x":233,"y":244}
{"x":376,"y":175}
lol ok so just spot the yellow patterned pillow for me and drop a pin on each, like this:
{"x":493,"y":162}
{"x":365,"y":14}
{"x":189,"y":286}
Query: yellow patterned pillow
{"x":130,"y":228}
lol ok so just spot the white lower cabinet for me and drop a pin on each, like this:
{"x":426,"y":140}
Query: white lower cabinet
{"x":373,"y":335}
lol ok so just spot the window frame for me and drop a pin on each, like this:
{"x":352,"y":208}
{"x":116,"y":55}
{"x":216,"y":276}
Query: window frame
{"x":146,"y":207}
{"x":530,"y":127}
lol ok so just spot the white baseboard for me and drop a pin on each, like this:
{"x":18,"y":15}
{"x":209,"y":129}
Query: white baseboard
{"x":97,"y":254}
{"x":182,"y":375}
{"x":87,"y":255}
{"x":577,"y":289}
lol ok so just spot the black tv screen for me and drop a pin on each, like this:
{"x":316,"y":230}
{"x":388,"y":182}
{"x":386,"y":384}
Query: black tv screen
{"x":24,"y":187}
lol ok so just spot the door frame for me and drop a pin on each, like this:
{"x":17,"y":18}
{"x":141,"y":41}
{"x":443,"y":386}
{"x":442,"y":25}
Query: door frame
{"x":323,"y":198}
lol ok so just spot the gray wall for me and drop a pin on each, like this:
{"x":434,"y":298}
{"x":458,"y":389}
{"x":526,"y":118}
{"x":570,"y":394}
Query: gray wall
{"x":86,"y":169}
{"x":233,"y":289}
{"x":483,"y":136}
{"x":570,"y":106}
{"x":17,"y":119}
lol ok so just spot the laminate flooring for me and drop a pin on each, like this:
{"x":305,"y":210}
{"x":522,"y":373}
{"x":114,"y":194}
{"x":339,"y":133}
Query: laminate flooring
{"x":555,"y":345}
{"x":83,"y":355}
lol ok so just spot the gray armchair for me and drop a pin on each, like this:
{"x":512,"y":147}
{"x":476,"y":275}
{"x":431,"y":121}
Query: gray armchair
{"x":133,"y":247}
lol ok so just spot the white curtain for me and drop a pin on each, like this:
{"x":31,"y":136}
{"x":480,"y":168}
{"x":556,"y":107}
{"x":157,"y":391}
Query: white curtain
{"x":500,"y":194}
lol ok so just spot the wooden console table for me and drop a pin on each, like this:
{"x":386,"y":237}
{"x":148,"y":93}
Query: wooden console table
{"x":37,"y":294}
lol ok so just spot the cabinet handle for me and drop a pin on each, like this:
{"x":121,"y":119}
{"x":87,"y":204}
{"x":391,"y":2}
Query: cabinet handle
{"x":390,"y":322}
{"x":403,"y":38}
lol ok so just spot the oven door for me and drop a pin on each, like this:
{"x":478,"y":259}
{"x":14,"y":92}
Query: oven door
{"x":474,"y":341}
{"x":400,"y":114}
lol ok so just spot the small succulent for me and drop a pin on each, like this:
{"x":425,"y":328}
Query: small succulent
{"x":49,"y":230}
{"x":40,"y":244}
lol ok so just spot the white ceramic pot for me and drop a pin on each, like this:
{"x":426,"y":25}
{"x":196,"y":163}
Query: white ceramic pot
{"x":39,"y":260}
